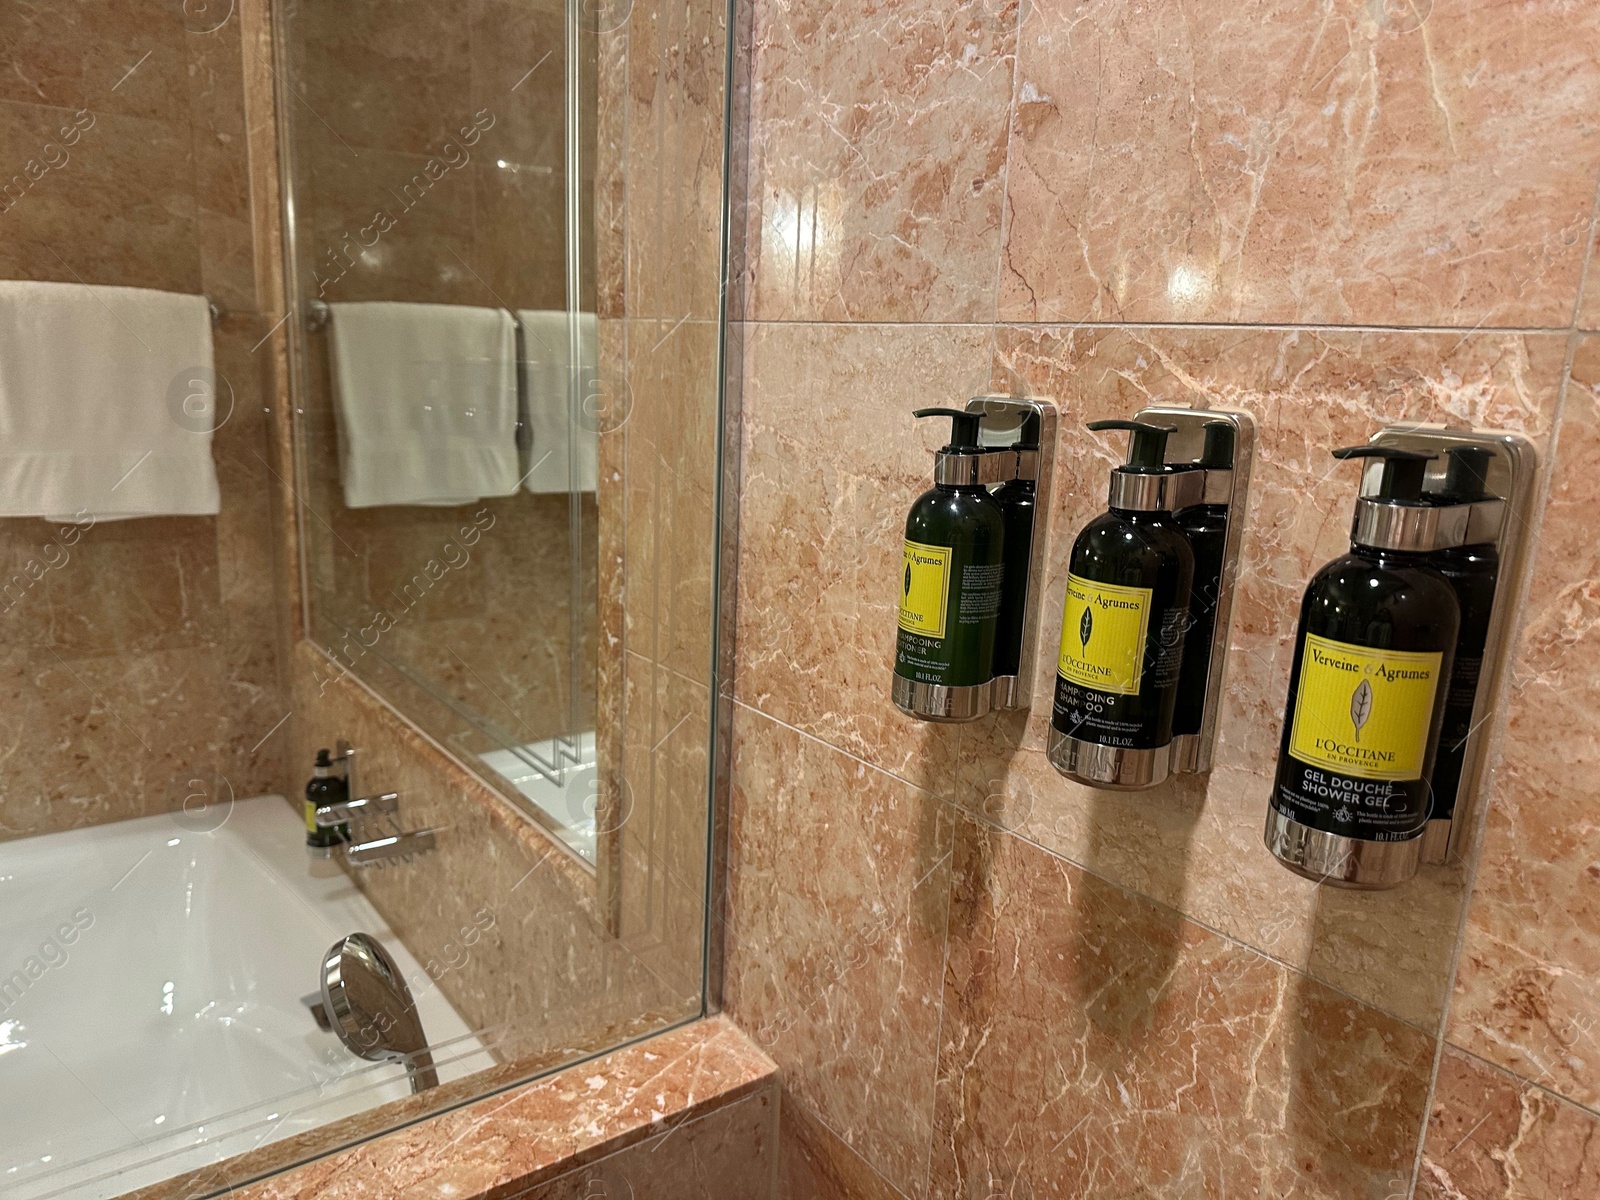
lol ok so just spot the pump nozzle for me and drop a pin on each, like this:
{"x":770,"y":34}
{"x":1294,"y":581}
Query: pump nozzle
{"x":1466,"y":474}
{"x":1218,"y":452}
{"x":964,"y":428}
{"x":1403,"y":471}
{"x":1147,"y":448}
{"x":1027,"y":436}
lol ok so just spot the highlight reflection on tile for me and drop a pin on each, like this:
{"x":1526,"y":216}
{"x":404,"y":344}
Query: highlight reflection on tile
{"x":1302,"y":161}
{"x":878,"y":158}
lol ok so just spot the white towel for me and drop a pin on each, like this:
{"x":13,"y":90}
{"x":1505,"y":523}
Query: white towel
{"x":426,"y":402}
{"x":564,"y":454}
{"x":107,"y":402}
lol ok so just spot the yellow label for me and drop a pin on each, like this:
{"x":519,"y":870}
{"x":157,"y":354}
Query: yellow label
{"x":925,"y":589}
{"x":311,"y":817}
{"x":1103,"y":630}
{"x":1364,"y":712}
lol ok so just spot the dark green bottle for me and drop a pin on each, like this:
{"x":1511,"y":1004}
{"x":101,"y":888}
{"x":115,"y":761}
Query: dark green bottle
{"x":1123,"y":624}
{"x":950,"y":584}
{"x":1473,"y":572}
{"x":327,"y":786}
{"x":1378,"y":628}
{"x":1206,"y":527}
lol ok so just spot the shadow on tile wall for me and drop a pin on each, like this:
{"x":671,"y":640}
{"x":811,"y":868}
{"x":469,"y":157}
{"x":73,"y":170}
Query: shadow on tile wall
{"x":979,"y":979}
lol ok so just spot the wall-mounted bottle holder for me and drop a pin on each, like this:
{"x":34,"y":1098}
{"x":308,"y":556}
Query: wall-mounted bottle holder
{"x":1384,"y":737}
{"x":974,"y":557}
{"x":1149,"y":601}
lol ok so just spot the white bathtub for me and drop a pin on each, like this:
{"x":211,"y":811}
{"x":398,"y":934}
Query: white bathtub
{"x":150,"y":1013}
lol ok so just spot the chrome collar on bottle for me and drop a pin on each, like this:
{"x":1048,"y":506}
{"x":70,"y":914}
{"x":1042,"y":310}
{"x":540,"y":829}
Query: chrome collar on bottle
{"x":1421,"y":528}
{"x":957,"y":470}
{"x":1165,"y":491}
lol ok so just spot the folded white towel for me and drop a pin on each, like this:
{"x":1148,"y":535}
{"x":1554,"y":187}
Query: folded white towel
{"x":426,"y":402}
{"x":564,"y":455}
{"x":107,"y":402}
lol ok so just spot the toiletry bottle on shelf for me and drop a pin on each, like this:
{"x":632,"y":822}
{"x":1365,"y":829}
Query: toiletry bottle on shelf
{"x":1018,"y":501}
{"x":1206,"y":527}
{"x":327,"y":786}
{"x":1371,"y":665}
{"x":950,"y":582}
{"x":1473,"y":571}
{"x":1122,"y":629}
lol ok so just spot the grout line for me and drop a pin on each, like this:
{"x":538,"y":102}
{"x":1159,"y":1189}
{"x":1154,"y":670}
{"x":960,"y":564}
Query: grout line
{"x":1215,"y":326}
{"x":1522,"y":1081}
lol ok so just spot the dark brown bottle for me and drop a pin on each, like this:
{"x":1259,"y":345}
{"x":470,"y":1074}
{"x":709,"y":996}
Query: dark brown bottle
{"x":1378,"y":628}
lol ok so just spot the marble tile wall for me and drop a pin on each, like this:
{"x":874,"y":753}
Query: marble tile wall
{"x":143,"y":669}
{"x":977,"y":979}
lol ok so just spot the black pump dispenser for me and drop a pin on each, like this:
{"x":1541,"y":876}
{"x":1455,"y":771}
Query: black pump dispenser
{"x":1122,"y":632}
{"x":1018,"y":502}
{"x":1466,"y":475}
{"x":1473,"y":571}
{"x":950,"y":583}
{"x":1206,"y":527}
{"x":1403,"y":471}
{"x":1372,"y":655}
{"x":1147,"y":448}
{"x":965,"y":429}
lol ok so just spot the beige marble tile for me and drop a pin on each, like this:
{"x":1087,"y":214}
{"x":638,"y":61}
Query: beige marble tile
{"x":1491,"y":1137}
{"x":878,"y":158}
{"x":832,"y":460}
{"x":725,"y":1155}
{"x":815,"y":1165}
{"x":381,"y":75}
{"x":1301,"y":161}
{"x":838,"y":881}
{"x":1096,"y":1044}
{"x":42,"y":56}
{"x":670,"y":412}
{"x":675,"y":156}
{"x":1527,"y":993}
{"x":114,"y":206}
{"x":660,"y":822}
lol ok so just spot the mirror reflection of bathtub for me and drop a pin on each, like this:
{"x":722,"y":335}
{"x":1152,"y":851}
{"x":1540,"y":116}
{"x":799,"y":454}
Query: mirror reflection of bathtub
{"x":151,"y":1011}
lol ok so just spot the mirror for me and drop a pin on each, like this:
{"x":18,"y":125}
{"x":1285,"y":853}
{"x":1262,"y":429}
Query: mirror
{"x":450,"y":395}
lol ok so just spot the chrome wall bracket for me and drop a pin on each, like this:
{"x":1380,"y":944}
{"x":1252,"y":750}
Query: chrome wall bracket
{"x":370,"y":825}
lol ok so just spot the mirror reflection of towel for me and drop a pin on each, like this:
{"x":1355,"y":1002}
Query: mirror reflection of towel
{"x":108,"y":399}
{"x":564,"y":455}
{"x":426,"y":401}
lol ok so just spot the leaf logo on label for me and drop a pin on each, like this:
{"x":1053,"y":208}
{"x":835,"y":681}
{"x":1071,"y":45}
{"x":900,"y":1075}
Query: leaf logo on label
{"x":908,"y":579}
{"x":1085,"y":628}
{"x":1360,"y":707}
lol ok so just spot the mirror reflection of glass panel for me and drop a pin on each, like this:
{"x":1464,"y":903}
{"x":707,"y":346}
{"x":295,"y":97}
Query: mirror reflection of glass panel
{"x":443,"y":246}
